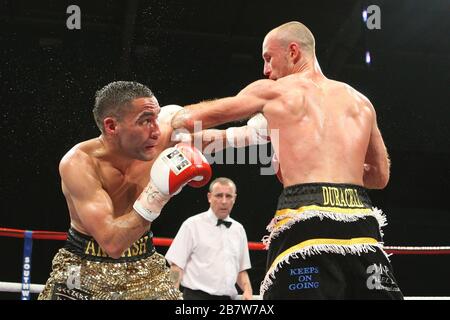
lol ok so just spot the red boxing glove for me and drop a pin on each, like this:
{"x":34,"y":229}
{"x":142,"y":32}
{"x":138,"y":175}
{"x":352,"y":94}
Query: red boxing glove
{"x":171,"y":171}
{"x":180,"y":165}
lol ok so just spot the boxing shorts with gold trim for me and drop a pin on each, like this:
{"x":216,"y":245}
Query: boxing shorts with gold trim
{"x":83,"y":271}
{"x":325,"y":242}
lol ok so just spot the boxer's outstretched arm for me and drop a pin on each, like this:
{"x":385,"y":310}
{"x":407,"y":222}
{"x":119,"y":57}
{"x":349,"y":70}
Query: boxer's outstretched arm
{"x":376,"y":166}
{"x":212,"y":113}
{"x":82,"y":187}
{"x":213,"y":140}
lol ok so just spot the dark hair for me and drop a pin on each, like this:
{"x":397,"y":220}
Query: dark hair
{"x":112,"y":99}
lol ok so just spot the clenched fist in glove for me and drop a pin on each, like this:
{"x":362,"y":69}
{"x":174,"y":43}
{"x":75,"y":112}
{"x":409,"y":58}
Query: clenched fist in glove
{"x":172,"y":170}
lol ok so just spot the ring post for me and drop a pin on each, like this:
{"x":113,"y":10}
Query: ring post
{"x":26,"y":270}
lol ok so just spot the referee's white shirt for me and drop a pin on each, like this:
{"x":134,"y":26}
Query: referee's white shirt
{"x":211,"y":256}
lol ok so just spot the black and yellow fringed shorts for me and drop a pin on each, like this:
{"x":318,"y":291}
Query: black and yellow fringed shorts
{"x":83,"y":271}
{"x":325,"y":242}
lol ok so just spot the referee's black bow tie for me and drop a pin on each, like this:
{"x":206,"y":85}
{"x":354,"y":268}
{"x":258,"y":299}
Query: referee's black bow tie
{"x":221,"y":221}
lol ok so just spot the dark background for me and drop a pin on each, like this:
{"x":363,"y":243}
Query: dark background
{"x":187,"y":51}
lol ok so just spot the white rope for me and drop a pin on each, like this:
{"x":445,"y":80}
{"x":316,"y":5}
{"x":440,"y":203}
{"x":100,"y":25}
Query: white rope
{"x":37,"y":288}
{"x":415,"y":248}
{"x":17,"y":287}
{"x":427,"y":298}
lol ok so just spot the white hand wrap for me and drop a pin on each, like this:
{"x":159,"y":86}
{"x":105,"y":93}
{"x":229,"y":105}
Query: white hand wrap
{"x":150,"y":203}
{"x":255,"y":132}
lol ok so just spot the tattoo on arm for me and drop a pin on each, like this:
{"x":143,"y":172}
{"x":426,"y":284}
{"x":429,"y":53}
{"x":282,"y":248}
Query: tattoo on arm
{"x":175,"y":276}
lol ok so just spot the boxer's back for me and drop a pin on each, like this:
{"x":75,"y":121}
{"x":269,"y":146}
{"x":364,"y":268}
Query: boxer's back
{"x":325,"y":128}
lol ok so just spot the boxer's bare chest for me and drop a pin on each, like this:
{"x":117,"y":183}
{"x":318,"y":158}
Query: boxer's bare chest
{"x":124,"y":187}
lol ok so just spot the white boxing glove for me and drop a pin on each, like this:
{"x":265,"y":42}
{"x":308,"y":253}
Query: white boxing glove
{"x":255,"y":132}
{"x":165,"y":116}
{"x":167,"y":112}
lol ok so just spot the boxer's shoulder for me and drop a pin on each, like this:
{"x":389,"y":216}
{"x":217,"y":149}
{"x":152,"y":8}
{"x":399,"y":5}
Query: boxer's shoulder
{"x":83,"y":155}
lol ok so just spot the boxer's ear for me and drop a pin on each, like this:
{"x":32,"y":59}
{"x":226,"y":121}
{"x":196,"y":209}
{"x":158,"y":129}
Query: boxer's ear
{"x":294,"y":52}
{"x":110,"y":125}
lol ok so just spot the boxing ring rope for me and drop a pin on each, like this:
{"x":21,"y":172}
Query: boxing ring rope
{"x":26,"y":287}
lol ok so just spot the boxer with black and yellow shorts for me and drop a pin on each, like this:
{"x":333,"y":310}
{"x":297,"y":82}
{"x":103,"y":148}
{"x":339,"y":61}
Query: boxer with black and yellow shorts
{"x":83,"y":271}
{"x":325,"y":242}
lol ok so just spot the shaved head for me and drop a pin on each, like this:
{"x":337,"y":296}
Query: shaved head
{"x":297,"y":32}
